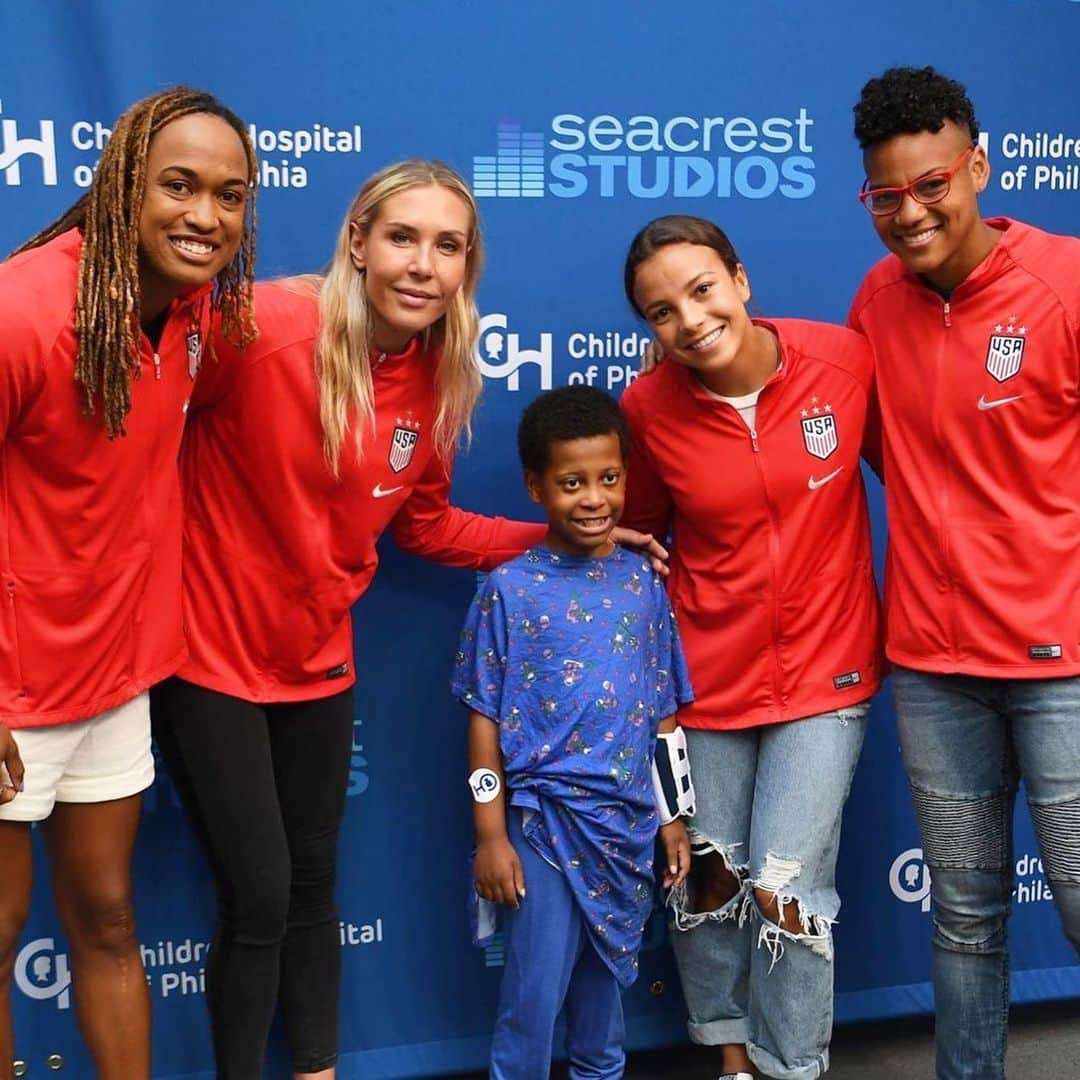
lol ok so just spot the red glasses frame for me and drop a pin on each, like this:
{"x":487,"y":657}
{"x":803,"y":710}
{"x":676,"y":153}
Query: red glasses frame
{"x":867,"y":195}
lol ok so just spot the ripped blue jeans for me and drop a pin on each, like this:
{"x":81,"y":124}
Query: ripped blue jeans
{"x":966,"y":742}
{"x":769,"y":802}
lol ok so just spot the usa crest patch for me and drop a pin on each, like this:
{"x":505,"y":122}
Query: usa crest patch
{"x":194,"y":353}
{"x":1005,"y":351}
{"x":1004,"y":355}
{"x":819,"y":434}
{"x":403,"y":443}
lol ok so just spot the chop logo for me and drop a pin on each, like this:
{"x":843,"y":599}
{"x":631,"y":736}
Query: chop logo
{"x":14,"y":147}
{"x":909,"y":878}
{"x":494,"y":339}
{"x":42,"y":973}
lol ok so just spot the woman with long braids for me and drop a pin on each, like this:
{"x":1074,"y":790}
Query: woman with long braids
{"x":300,"y":451}
{"x":104,"y":316}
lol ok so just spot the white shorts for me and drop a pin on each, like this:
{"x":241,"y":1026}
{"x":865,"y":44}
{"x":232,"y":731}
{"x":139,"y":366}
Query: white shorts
{"x":105,"y":757}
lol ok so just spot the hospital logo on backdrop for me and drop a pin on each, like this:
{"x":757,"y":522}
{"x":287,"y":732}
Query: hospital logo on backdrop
{"x":595,"y":356}
{"x":42,"y":973}
{"x":41,"y":151}
{"x":1036,"y":161}
{"x":501,"y":356}
{"x":358,"y":763}
{"x":651,"y":157}
{"x":909,"y":878}
{"x":24,"y":145}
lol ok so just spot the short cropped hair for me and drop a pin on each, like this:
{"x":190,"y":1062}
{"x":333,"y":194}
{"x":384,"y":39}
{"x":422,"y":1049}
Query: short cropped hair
{"x":569,"y":412}
{"x":907,"y":100}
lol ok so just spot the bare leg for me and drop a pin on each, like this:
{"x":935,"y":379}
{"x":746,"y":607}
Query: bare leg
{"x":91,"y":847}
{"x":17,"y":871}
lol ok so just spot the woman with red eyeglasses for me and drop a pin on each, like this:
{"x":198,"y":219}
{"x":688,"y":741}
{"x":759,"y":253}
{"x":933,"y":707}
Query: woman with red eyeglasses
{"x":975,"y":326}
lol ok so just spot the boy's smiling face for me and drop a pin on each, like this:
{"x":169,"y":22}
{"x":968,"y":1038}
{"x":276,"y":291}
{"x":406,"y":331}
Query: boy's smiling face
{"x":582,"y":490}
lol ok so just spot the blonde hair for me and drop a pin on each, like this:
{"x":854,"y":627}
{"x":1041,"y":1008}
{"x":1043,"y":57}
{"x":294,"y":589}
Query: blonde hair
{"x":342,"y":360}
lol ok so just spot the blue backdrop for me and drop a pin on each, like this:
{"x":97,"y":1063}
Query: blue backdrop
{"x":576,"y":123}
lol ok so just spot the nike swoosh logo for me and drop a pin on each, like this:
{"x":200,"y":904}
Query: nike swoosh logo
{"x":380,"y":492}
{"x":984,"y":404}
{"x":813,"y":484}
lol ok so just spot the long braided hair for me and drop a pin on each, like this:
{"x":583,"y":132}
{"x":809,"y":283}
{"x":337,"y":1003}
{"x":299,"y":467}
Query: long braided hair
{"x":107,"y":301}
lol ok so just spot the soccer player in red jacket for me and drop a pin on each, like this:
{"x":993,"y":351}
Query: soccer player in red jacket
{"x":975,"y":326}
{"x":341,"y":422}
{"x":103,"y":324}
{"x":747,"y":445}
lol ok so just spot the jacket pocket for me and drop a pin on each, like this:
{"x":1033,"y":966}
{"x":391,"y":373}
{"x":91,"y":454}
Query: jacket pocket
{"x":74,"y":630}
{"x":12,"y":691}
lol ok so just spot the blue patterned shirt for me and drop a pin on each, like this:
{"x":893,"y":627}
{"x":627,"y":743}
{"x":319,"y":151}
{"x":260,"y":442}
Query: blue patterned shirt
{"x":578,"y":660}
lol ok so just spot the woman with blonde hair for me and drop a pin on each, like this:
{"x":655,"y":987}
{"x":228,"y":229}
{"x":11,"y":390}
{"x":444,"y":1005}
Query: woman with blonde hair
{"x":300,"y":451}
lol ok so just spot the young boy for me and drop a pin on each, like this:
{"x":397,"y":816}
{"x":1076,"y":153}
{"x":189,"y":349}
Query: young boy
{"x":975,"y":327}
{"x":569,"y":663}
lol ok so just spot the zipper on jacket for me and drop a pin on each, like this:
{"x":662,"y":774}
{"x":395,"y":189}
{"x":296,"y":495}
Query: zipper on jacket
{"x":779,"y":696}
{"x":15,"y":631}
{"x":154,"y":401}
{"x":943,"y":501}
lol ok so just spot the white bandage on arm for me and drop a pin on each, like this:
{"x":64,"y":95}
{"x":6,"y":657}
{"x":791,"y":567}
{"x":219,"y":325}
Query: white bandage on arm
{"x":671,"y":776}
{"x":485,"y":785}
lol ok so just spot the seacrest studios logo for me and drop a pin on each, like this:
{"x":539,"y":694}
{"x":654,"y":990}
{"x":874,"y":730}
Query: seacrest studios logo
{"x":651,"y":157}
{"x":909,"y":878}
{"x":42,"y":973}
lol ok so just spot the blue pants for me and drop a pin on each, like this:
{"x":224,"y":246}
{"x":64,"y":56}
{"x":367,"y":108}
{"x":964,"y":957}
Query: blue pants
{"x":769,"y":801}
{"x":966,"y":743}
{"x":550,"y":961}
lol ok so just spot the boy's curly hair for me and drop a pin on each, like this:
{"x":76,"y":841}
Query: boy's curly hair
{"x":566,"y":413}
{"x":907,"y":100}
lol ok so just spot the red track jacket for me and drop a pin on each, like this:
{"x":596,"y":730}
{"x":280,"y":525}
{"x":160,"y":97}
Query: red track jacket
{"x":771,"y":575}
{"x":89,"y":528}
{"x":980,"y":409}
{"x":276,"y":551}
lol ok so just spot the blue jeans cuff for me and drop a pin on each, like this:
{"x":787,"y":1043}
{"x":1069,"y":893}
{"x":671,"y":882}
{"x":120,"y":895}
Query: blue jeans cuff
{"x":772,"y":1066}
{"x":735,"y":1031}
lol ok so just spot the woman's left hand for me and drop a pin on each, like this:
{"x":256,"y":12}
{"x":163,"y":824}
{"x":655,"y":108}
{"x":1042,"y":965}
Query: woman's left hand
{"x":645,"y":544}
{"x":12,"y":763}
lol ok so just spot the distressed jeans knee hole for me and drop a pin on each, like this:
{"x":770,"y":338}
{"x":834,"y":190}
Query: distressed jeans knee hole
{"x":686,"y":911}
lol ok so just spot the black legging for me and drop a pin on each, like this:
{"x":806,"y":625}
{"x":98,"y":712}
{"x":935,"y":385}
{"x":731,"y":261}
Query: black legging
{"x":264,"y":786}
